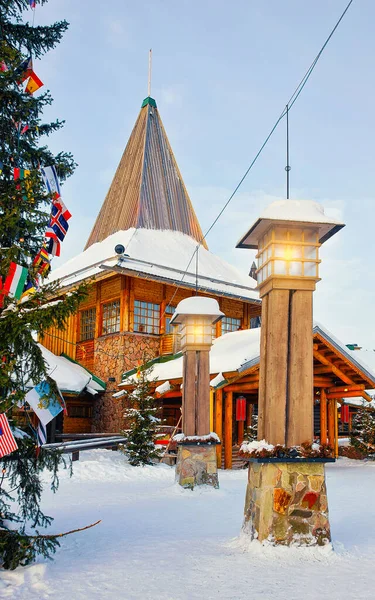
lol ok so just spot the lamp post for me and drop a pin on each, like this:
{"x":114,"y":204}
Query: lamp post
{"x":196,"y":461}
{"x":287,"y":236}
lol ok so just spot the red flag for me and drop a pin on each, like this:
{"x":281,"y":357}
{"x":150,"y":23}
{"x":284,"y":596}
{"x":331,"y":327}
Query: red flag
{"x":7,"y":442}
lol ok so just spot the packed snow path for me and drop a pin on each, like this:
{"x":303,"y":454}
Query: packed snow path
{"x":157,"y":541}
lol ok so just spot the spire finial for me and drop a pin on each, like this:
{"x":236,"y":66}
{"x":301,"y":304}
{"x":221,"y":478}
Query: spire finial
{"x":149,"y":72}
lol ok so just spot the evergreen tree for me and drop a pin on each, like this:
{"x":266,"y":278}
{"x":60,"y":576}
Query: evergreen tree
{"x":363,"y":430}
{"x":141,"y":416}
{"x":24,"y":214}
{"x":251,"y":433}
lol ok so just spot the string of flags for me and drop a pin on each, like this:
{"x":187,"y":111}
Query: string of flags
{"x":46,"y":405}
{"x":19,"y":282}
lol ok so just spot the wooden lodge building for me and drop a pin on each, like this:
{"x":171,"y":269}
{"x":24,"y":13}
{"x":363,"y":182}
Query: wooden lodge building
{"x":142,"y":259}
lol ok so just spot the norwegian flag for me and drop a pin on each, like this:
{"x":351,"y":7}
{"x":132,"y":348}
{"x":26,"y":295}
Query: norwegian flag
{"x":7,"y":442}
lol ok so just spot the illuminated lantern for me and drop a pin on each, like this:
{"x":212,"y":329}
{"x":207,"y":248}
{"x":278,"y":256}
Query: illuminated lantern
{"x":241,"y":408}
{"x":344,"y":413}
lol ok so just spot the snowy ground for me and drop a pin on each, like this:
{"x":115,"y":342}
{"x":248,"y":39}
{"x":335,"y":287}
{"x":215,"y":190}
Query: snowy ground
{"x":157,"y":541}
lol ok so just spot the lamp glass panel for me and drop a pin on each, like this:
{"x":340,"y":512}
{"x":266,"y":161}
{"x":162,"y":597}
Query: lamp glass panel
{"x":295,"y":268}
{"x":310,"y":252}
{"x":281,"y":233}
{"x":295,"y":235}
{"x":279,"y":250}
{"x":280,"y":267}
{"x":311,"y":269}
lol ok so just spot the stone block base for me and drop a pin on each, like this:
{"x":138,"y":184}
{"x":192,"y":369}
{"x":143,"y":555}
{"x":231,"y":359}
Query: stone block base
{"x":286,"y":503}
{"x":196,"y":465}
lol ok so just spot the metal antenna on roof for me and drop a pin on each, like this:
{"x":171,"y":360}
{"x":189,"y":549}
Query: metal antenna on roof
{"x":196,"y":270}
{"x":288,"y":167}
{"x":149,"y":72}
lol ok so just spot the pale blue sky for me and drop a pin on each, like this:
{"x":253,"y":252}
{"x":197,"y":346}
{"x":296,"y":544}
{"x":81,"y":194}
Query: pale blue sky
{"x":222,"y":72}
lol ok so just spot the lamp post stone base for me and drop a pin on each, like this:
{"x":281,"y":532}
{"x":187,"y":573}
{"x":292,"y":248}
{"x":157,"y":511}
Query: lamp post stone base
{"x":286,"y":503}
{"x":196,"y":465}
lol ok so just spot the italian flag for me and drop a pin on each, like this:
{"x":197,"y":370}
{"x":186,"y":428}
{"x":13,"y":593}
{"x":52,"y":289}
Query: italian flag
{"x":15,"y":281}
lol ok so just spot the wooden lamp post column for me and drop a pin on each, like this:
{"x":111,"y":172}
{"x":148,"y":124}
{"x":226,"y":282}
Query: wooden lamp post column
{"x":196,"y":461}
{"x":287,"y":236}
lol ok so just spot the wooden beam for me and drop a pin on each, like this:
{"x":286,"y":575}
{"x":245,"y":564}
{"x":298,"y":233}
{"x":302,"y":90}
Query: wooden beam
{"x":323,"y":381}
{"x":321,"y":369}
{"x":218,"y":426}
{"x":339,"y":395}
{"x":240,"y":431}
{"x":319,"y":356}
{"x":188,"y":394}
{"x":228,"y":430}
{"x":323,"y":416}
{"x":300,"y":408}
{"x":346,"y":388}
{"x":240,"y":387}
{"x":331,"y":422}
{"x":203,"y":394}
{"x":366,"y":397}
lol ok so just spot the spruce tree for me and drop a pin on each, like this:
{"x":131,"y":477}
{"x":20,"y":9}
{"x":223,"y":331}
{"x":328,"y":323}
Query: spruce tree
{"x":363,"y":430}
{"x":141,"y":416}
{"x":25,"y":208}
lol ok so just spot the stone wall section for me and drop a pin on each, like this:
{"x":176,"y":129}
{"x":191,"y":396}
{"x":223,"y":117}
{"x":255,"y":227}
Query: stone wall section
{"x":114,"y":354}
{"x":286,"y":503}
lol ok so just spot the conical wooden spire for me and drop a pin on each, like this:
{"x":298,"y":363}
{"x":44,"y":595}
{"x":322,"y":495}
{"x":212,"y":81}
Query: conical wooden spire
{"x":147,"y":190}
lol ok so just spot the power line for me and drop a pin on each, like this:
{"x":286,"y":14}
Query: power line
{"x":287,"y":108}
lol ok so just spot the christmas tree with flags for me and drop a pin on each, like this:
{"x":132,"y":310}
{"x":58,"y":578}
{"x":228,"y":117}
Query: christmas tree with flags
{"x":34,"y":221}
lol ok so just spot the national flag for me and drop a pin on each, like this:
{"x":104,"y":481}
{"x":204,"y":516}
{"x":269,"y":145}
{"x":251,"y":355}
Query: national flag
{"x":42,"y":262}
{"x":24,"y":129}
{"x":23,"y":174}
{"x":57,"y":222}
{"x":50,"y":179}
{"x":44,"y":402}
{"x":41,"y":434}
{"x":58,"y":202}
{"x":7,"y":442}
{"x":28,"y":290}
{"x":53,"y":243}
{"x":25,"y":69}
{"x":20,"y":173}
{"x":33,"y":84}
{"x":32,"y":3}
{"x":3,"y":67}
{"x":15,"y":280}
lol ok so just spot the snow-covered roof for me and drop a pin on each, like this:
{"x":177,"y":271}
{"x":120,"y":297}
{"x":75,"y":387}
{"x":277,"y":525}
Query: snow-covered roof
{"x":306,"y":212}
{"x":70,"y":376}
{"x":197,"y":305}
{"x":160,"y":255}
{"x":239,"y":351}
{"x":365,"y":361}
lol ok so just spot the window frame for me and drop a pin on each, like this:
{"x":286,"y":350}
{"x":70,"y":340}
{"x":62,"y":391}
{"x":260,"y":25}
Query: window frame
{"x":85,"y":337}
{"x":116,"y":318}
{"x":230,"y":321}
{"x":151,"y":313}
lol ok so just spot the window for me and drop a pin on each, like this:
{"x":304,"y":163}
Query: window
{"x":80,"y":411}
{"x":168,"y":315}
{"x":230,"y":324}
{"x":111,"y":317}
{"x":87,"y":324}
{"x":146,"y":317}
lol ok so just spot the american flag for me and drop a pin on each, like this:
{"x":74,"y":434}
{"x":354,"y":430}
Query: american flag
{"x":7,"y":441}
